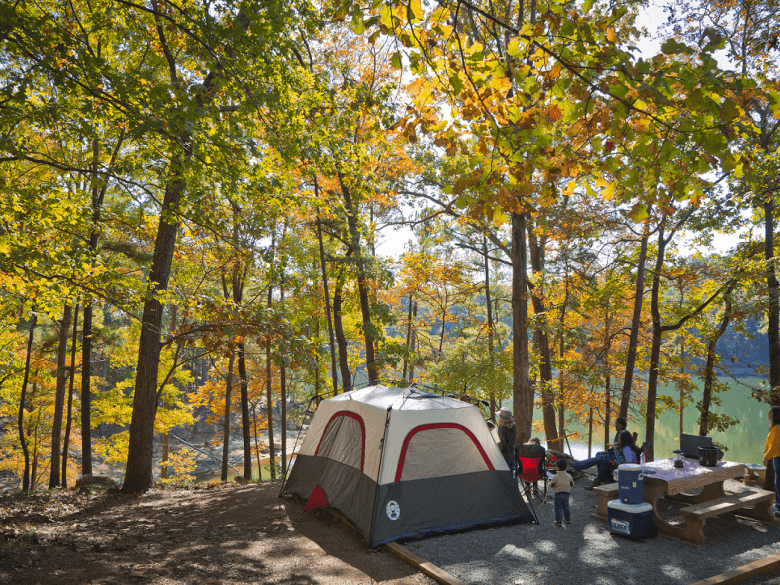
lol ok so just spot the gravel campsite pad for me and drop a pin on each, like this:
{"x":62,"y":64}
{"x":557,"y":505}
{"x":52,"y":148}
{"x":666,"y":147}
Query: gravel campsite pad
{"x":585,"y":553}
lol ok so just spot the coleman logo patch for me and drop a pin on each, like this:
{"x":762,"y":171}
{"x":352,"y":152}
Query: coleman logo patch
{"x":393,"y":510}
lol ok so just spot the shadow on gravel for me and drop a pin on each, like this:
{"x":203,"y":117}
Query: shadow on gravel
{"x":204,"y":535}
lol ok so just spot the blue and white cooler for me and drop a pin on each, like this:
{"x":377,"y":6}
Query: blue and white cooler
{"x":633,"y":521}
{"x":630,"y":483}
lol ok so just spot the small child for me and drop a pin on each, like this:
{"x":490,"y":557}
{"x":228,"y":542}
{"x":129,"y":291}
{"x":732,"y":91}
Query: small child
{"x":562,"y":484}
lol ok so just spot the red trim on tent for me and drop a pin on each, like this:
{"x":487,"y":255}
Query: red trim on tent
{"x":428,"y":427}
{"x":362,"y":433}
{"x":317,"y":499}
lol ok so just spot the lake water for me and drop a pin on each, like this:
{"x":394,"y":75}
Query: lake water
{"x":745,"y":441}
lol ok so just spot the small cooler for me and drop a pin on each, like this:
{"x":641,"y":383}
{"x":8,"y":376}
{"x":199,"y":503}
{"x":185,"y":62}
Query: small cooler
{"x":631,"y":520}
{"x":630,"y":483}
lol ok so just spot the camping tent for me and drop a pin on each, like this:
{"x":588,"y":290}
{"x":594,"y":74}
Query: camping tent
{"x":403,"y":463}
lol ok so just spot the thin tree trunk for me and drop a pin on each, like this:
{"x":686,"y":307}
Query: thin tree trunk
{"x":270,"y":411}
{"x":226,"y":418}
{"x":86,"y":403}
{"x":257,"y":444}
{"x":338,"y":326}
{"x":268,"y":372}
{"x":773,"y":308}
{"x":408,"y":338}
{"x":245,"y":412}
{"x":709,"y":369}
{"x":59,"y":397}
{"x":283,"y":392}
{"x":369,"y":335}
{"x":414,"y":343}
{"x":22,"y":399}
{"x":655,"y":349}
{"x":489,"y":317}
{"x":633,"y":340}
{"x":36,"y":437}
{"x":541,"y":339}
{"x":522,"y":392}
{"x":323,"y":266}
{"x":166,"y":440}
{"x":66,"y":440}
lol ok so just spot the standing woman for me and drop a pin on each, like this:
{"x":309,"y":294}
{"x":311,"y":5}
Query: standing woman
{"x":772,"y":451}
{"x":507,"y":431}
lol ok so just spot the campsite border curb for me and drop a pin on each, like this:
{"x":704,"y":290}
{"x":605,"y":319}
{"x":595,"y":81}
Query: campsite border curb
{"x":422,"y":565}
{"x":743,"y":573}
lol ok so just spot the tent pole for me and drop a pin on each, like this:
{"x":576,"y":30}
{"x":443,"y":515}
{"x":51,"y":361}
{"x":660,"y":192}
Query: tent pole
{"x":379,"y":473}
{"x":289,"y":467}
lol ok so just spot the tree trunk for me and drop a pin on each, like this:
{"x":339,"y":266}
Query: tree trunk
{"x":655,"y":349}
{"x":607,"y":377}
{"x":489,"y":317}
{"x":709,"y":369}
{"x":59,"y":397}
{"x":323,"y":266}
{"x":245,"y":430}
{"x":270,"y":408}
{"x":408,"y":338}
{"x":138,"y":477}
{"x":633,"y":341}
{"x":66,"y":440}
{"x":283,"y":394}
{"x":346,"y":375}
{"x":369,"y":334}
{"x":226,"y":418}
{"x":413,"y":347}
{"x":773,"y":309}
{"x":86,"y":398}
{"x":522,"y":392}
{"x":541,"y":339}
{"x":166,"y":439}
{"x":22,"y":399}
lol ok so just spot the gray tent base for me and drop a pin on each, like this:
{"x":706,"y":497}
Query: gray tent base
{"x":409,"y":510}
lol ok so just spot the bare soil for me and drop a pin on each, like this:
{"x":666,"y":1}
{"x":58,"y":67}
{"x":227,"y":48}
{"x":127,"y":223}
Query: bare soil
{"x":203,"y":534}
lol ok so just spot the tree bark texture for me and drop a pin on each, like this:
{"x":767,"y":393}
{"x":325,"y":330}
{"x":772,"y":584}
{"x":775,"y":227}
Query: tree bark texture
{"x":369,"y":335}
{"x":773,"y":309}
{"x":138,"y":477}
{"x":226,"y":418}
{"x":68,"y":416}
{"x":541,"y":339}
{"x":655,"y":348}
{"x":245,"y":430}
{"x":522,"y":392}
{"x":22,"y":400}
{"x":709,"y":369}
{"x":341,"y":339}
{"x":639,"y":291}
{"x":488,"y":316}
{"x":326,"y":295}
{"x":59,"y":396}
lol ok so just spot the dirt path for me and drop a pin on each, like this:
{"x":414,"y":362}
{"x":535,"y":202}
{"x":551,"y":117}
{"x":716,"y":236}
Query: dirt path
{"x":205,"y":535}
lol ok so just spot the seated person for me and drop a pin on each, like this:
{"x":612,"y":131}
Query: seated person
{"x":605,"y":461}
{"x":533,"y":448}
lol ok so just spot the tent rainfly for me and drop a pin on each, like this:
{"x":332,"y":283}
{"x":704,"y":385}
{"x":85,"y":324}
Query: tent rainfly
{"x":402,"y":463}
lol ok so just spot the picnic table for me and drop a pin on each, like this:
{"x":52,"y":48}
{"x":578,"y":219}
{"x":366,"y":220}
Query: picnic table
{"x":676,"y":483}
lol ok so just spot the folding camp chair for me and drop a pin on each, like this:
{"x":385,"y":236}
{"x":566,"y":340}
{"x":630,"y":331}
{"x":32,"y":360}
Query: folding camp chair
{"x":531,"y":471}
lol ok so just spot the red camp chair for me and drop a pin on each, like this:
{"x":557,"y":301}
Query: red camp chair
{"x":532,"y":472}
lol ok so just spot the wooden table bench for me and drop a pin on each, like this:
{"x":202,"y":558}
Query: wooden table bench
{"x":604,"y":495}
{"x":697,"y":514}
